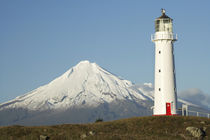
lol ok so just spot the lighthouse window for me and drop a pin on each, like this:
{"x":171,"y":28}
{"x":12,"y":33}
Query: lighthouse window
{"x":163,"y":25}
{"x":157,"y":25}
{"x":159,"y":89}
{"x":159,"y":52}
{"x":159,"y":70}
{"x":166,"y":21}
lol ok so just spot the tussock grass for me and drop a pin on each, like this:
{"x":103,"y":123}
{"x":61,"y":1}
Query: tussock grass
{"x":153,"y":127}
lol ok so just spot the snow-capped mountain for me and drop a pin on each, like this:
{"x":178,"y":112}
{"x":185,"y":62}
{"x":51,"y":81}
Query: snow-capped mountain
{"x":86,"y":84}
{"x":82,"y":94}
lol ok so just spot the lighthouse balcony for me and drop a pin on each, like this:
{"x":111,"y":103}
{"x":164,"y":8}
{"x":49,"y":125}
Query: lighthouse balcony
{"x":163,"y":36}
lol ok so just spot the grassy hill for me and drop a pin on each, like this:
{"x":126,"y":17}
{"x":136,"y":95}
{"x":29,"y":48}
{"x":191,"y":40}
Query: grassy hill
{"x":161,"y":127}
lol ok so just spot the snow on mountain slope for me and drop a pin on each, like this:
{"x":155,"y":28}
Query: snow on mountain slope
{"x":84,"y":84}
{"x":147,"y":89}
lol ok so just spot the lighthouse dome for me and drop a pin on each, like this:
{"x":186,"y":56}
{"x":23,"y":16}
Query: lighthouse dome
{"x":163,"y":23}
{"x":163,"y":16}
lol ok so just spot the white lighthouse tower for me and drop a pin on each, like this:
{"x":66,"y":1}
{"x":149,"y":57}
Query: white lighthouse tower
{"x":165,"y":96}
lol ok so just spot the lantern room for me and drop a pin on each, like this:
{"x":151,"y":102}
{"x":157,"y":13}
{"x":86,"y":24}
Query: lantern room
{"x":163,"y":23}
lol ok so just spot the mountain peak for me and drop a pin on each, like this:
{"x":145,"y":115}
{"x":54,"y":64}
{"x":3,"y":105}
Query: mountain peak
{"x":86,"y":66}
{"x":84,"y":62}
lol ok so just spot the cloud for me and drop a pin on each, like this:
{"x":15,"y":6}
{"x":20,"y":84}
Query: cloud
{"x":195,"y":96}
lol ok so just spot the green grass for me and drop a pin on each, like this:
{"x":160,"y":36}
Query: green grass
{"x":154,"y":127}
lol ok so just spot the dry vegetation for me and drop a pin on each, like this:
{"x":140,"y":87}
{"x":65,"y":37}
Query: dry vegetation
{"x":163,"y":127}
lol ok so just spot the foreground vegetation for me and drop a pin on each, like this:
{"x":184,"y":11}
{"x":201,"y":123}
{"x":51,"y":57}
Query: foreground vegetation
{"x":161,"y":127}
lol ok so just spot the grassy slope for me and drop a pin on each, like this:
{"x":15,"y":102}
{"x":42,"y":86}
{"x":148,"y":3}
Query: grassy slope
{"x":161,"y":127}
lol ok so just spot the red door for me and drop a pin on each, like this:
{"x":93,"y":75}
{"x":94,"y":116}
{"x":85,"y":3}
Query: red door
{"x":168,"y":108}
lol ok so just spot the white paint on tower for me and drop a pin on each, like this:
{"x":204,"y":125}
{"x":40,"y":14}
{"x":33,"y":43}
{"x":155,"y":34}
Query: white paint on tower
{"x":165,"y":102}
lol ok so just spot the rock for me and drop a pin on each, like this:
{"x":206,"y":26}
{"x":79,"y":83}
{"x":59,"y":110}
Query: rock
{"x":202,"y":122}
{"x":196,"y":132}
{"x":83,"y":136}
{"x":91,"y":133}
{"x":42,"y":137}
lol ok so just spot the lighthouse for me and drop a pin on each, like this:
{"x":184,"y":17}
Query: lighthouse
{"x":165,"y":95}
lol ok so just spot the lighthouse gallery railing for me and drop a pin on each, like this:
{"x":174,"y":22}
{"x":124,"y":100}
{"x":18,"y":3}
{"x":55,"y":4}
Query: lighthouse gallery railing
{"x":169,"y":36}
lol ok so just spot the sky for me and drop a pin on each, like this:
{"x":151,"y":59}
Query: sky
{"x":41,"y":39}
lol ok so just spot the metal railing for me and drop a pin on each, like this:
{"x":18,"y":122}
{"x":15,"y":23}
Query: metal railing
{"x":198,"y":114}
{"x":185,"y":112}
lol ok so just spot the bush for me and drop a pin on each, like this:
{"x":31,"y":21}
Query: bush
{"x":99,"y":120}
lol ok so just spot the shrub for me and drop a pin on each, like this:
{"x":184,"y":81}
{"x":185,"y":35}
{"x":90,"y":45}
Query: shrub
{"x":99,"y":120}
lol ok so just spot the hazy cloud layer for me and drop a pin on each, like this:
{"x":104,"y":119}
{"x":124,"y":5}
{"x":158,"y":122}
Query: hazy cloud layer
{"x":196,"y":96}
{"x":193,"y":95}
